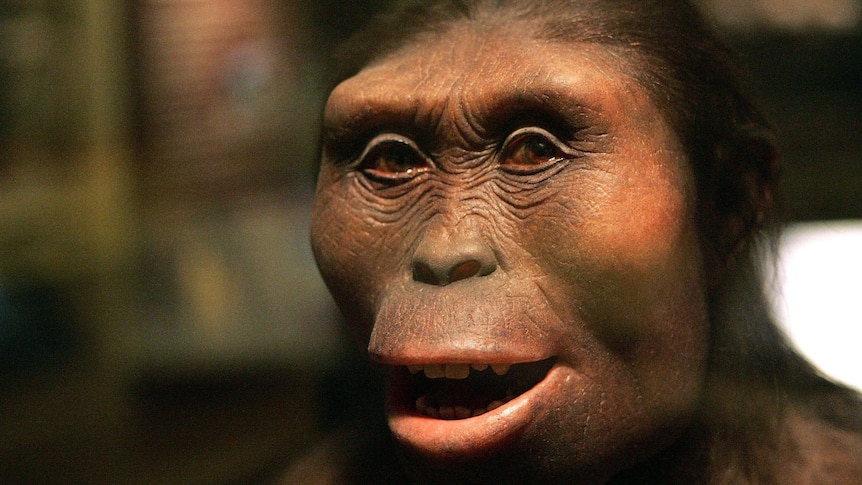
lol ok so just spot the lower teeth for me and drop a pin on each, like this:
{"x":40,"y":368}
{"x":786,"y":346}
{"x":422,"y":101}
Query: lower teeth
{"x":424,"y":406}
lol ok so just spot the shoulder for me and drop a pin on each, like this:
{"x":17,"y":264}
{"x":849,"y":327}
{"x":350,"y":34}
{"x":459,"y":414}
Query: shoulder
{"x":814,"y":451}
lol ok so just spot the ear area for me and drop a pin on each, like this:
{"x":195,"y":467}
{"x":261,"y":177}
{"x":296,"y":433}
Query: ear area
{"x":740,"y":198}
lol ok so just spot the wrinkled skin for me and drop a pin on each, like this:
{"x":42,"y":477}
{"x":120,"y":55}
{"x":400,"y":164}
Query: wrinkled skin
{"x":487,"y":198}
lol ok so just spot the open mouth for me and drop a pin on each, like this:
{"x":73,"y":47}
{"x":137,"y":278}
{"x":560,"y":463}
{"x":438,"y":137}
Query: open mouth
{"x":460,"y":391}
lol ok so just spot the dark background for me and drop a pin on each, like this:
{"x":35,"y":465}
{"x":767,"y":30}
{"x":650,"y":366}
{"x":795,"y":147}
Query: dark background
{"x":161,"y":320}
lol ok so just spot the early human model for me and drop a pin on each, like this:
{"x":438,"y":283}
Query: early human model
{"x":542,"y":217}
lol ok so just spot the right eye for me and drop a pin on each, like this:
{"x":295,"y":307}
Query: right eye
{"x":392,"y":161}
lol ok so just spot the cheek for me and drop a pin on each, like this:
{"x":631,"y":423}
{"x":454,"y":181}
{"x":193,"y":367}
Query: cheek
{"x":362,"y":242}
{"x":628,"y":257}
{"x":642,"y":255}
{"x":645,"y":226}
{"x":341,"y":238}
{"x":628,"y":234}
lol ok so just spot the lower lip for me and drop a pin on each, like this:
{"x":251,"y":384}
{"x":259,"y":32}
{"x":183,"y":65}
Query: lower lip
{"x":460,"y":438}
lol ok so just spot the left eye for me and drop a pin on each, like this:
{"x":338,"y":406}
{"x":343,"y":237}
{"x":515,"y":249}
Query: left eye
{"x":531,"y":151}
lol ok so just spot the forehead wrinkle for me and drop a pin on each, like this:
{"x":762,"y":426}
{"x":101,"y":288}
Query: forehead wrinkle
{"x":438,"y":90}
{"x":507,"y":69}
{"x":465,"y":121}
{"x":471,"y":115}
{"x":448,"y":100}
{"x":406,"y":85}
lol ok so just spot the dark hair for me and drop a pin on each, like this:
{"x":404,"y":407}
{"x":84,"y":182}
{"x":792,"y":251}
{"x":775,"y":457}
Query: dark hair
{"x":692,"y":78}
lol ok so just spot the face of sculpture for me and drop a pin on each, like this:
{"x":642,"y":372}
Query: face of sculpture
{"x":509,"y":223}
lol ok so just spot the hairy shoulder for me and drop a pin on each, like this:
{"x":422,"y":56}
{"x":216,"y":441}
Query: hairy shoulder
{"x":814,"y":451}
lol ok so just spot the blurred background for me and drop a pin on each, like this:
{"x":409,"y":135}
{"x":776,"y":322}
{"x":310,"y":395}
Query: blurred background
{"x":161,"y":318}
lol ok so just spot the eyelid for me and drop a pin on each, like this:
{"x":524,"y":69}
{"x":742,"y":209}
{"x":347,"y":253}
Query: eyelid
{"x":384,"y":138}
{"x":566,"y":151}
{"x":535,"y":130}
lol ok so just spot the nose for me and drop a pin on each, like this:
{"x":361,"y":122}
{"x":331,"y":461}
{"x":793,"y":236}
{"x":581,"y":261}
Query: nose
{"x":447,"y":256}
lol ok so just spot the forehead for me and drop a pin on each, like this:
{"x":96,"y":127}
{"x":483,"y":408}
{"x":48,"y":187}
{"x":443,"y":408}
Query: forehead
{"x":483,"y":69}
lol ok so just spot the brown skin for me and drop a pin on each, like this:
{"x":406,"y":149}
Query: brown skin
{"x":487,"y":198}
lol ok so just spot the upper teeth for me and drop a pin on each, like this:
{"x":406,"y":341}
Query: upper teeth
{"x":455,"y":371}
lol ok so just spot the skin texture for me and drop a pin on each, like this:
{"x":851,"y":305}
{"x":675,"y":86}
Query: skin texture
{"x":546,"y":211}
{"x":575,"y":189}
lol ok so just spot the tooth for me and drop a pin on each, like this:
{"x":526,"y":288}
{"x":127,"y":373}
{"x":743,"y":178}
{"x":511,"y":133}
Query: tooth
{"x":434,"y":371}
{"x":447,"y":412}
{"x":494,"y":405}
{"x":422,"y":404}
{"x":499,"y":369}
{"x":414,"y":369}
{"x":479,"y":367}
{"x":462,"y":412}
{"x":457,"y":371}
{"x":433,"y":412}
{"x":479,"y":412}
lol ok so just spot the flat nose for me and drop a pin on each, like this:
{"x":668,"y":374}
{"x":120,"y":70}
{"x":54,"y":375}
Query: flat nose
{"x":445,"y":257}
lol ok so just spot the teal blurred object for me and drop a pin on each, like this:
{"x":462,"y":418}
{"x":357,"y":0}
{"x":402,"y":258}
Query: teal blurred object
{"x":37,"y":331}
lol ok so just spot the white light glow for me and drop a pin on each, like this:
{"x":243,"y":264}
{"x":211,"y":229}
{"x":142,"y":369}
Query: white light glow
{"x":794,"y":15}
{"x":819,"y":297}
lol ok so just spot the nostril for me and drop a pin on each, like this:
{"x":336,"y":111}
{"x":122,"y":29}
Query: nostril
{"x":464,"y":270}
{"x":442,"y":258}
{"x":424,"y":274}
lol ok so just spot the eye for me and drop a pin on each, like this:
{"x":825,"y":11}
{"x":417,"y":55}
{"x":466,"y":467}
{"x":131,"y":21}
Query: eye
{"x":392,"y":160}
{"x":532,"y":150}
